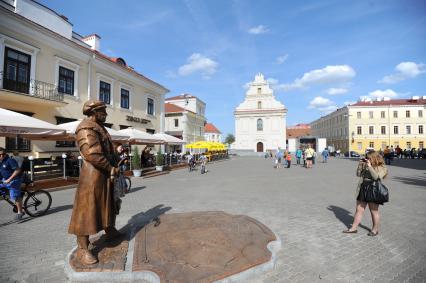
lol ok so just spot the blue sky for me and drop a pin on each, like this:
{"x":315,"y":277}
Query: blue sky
{"x":318,"y":55}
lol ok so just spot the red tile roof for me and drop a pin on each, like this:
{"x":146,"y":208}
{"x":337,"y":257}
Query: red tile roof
{"x":171,"y":108}
{"x":299,"y":126}
{"x":210,"y":128}
{"x":405,"y":101}
{"x":298,"y":132}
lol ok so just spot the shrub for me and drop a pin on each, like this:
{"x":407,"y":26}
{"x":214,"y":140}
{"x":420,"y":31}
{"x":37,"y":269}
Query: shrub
{"x":160,"y":158}
{"x":136,"y":159}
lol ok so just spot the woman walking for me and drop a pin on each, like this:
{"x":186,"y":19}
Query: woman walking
{"x":370,"y":169}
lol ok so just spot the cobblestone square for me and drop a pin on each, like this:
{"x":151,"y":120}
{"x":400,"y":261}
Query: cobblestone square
{"x":307,"y":209}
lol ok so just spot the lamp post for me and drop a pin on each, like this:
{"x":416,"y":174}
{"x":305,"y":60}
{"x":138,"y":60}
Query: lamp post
{"x":31,"y":159}
{"x":64,"y":157}
{"x":79,"y":164}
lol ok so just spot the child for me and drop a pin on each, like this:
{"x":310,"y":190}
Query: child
{"x":288,"y":159}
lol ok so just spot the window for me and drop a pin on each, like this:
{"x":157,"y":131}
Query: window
{"x":370,"y":114}
{"x":384,"y":144}
{"x":66,"y":81}
{"x":150,"y":108}
{"x":383,"y":114}
{"x":371,"y":130}
{"x":16,"y":71}
{"x":359,"y":145}
{"x":150,"y":131}
{"x":259,"y":124}
{"x":176,"y":123}
{"x":383,"y":130}
{"x":358,"y":115}
{"x":407,"y":114}
{"x":408,"y":145}
{"x":395,"y":144}
{"x":395,"y":130}
{"x":359,"y":130}
{"x":421,"y":144}
{"x":105,"y":92}
{"x":408,"y":129}
{"x":259,"y":90}
{"x":421,"y":129}
{"x":125,"y":99}
{"x":371,"y":144}
{"x":259,"y":105}
{"x":17,"y":143}
{"x":420,"y":113}
{"x":62,"y":120}
{"x":395,"y":114}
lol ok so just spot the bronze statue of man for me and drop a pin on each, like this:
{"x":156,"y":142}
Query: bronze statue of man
{"x":94,"y":208}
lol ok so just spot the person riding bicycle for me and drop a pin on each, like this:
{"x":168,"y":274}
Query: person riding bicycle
{"x":191,"y":161}
{"x":11,"y":177}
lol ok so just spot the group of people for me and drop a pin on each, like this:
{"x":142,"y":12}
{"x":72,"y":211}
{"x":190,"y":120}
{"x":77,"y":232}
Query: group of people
{"x":307,"y":155}
{"x":389,"y":153}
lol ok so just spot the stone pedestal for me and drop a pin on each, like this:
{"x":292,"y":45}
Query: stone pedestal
{"x":183,"y":247}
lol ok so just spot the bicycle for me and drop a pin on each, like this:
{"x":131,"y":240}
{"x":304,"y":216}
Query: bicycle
{"x":36,"y":203}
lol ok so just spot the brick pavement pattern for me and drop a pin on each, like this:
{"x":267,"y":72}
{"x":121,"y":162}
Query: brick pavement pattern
{"x":307,"y":209}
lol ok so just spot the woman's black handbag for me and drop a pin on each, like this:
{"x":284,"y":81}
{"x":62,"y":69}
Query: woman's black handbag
{"x":376,"y":192}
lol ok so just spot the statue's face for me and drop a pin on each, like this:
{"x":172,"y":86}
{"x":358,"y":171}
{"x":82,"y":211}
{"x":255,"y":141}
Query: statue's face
{"x":100,"y":116}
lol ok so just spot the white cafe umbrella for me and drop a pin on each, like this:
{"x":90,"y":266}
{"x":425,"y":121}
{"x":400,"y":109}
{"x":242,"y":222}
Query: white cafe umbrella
{"x":169,"y":139}
{"x":139,"y":137}
{"x":70,"y":128}
{"x":13,"y":123}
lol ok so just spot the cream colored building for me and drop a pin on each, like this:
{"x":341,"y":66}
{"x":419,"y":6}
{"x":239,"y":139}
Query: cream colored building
{"x":48,"y":71}
{"x":185,"y":117}
{"x":211,"y":133}
{"x":374,"y":125}
{"x":260,"y":120}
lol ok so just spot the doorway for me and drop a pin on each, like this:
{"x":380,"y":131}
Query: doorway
{"x":259,"y":147}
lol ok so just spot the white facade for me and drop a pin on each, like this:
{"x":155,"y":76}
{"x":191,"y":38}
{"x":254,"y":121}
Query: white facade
{"x":213,"y":137}
{"x":260,"y":121}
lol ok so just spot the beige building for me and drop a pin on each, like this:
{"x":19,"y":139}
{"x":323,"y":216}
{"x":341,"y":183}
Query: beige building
{"x":48,"y":71}
{"x":370,"y":124}
{"x":211,"y":133}
{"x":184,"y":117}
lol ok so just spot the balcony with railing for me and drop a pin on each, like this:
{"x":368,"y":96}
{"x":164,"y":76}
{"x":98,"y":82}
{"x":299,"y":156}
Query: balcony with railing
{"x":34,"y":91}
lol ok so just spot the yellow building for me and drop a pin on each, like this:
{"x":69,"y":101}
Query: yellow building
{"x":370,"y":124}
{"x":48,"y":71}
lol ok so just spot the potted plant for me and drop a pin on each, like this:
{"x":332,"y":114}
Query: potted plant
{"x":159,"y":161}
{"x":136,"y":162}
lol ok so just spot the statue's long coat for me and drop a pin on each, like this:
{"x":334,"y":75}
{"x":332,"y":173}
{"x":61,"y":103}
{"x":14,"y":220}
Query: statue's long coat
{"x":93,"y":209}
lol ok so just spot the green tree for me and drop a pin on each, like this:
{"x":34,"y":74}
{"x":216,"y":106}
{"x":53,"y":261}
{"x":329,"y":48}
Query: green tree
{"x":229,"y":139}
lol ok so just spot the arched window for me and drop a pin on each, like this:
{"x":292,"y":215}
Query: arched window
{"x":259,"y":124}
{"x":259,"y":105}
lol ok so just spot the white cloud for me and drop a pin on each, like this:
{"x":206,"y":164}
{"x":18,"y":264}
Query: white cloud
{"x":336,"y":91}
{"x":322,"y":104}
{"x":381,"y":93}
{"x":404,"y":70}
{"x":327,"y":75}
{"x":199,"y":63}
{"x":258,"y":30}
{"x":281,"y":59}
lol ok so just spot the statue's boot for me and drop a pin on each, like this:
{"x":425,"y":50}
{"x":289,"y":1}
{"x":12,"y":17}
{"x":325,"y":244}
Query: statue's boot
{"x":113,"y":233}
{"x":86,"y":257}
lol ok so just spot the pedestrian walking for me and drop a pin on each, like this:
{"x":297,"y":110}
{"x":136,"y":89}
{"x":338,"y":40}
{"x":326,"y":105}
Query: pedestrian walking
{"x":278,"y":157}
{"x":288,"y":159}
{"x":369,"y":170}
{"x":298,"y":155}
{"x":386,"y":155}
{"x":325,"y":154}
{"x":309,"y":154}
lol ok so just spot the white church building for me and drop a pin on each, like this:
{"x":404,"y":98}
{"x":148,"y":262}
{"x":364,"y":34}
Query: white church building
{"x":260,"y":121}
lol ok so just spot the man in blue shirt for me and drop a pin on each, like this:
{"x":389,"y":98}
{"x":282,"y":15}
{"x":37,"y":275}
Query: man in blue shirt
{"x":11,"y":177}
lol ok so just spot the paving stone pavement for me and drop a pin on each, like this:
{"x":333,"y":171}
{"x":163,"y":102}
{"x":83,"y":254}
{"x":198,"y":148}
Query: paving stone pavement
{"x":307,"y":209}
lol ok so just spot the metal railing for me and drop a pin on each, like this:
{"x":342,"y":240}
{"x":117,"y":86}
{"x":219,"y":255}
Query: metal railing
{"x":34,"y":88}
{"x":45,"y":90}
